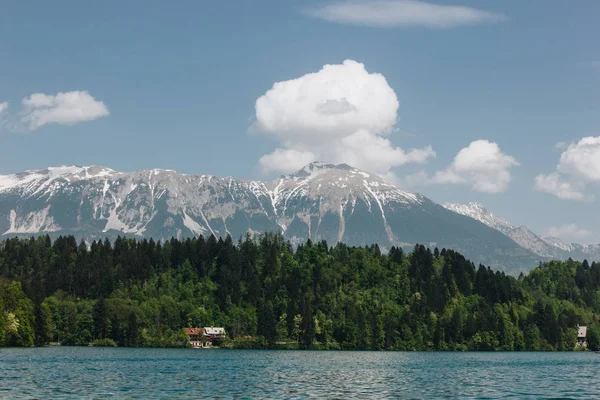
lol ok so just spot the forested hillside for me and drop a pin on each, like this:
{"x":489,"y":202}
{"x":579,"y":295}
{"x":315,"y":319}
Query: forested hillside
{"x":266,"y":294}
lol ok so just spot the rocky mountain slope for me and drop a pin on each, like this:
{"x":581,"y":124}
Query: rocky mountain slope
{"x":320,"y":202}
{"x":547,"y":247}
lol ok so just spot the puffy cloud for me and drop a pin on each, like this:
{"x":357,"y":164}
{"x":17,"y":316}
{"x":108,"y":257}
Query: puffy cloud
{"x":365,"y":150}
{"x":328,"y":104}
{"x":569,"y":232}
{"x":554,"y":184}
{"x":581,"y":160}
{"x":579,"y":165}
{"x":66,"y":108}
{"x":482,"y":165}
{"x":286,"y":160}
{"x":401,"y":13}
{"x":340,"y":114}
{"x":3,"y":106}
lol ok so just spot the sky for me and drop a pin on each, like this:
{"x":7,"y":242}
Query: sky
{"x":496,"y":102}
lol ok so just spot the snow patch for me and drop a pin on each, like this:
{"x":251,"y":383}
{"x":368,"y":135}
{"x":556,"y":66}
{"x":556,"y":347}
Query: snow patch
{"x":388,"y":230}
{"x":192,"y":225}
{"x":33,"y":222}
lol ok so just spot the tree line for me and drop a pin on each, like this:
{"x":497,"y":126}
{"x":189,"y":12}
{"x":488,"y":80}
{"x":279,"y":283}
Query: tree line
{"x":268,"y":294}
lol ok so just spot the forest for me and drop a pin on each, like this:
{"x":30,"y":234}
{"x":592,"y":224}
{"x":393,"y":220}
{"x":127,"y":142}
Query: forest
{"x":268,"y":294}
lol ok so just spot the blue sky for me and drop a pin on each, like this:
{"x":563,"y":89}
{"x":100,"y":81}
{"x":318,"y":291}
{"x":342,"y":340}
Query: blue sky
{"x":174,"y":85}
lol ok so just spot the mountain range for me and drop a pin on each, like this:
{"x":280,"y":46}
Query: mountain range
{"x":336,"y":203}
{"x":545,"y":247}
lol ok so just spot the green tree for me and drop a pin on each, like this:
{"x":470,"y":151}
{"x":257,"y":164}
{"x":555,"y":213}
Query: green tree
{"x":297,"y":332}
{"x":43,"y":326}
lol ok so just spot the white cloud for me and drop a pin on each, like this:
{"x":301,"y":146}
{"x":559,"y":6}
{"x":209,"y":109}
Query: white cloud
{"x":401,"y":13}
{"x":286,"y":160}
{"x":554,"y":184}
{"x":340,"y":114}
{"x":66,"y":108}
{"x":568,"y":232}
{"x":3,"y":106}
{"x":482,"y":165}
{"x":330,"y":103}
{"x":579,"y":165}
{"x":581,"y":160}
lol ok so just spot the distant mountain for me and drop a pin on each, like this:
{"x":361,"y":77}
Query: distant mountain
{"x":480,"y":213}
{"x":320,"y":201}
{"x":547,"y":247}
{"x":576,"y":251}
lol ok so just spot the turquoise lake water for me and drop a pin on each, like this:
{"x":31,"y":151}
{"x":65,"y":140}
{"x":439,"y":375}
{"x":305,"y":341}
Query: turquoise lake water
{"x":64,"y":372}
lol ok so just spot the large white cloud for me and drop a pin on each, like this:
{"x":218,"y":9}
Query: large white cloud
{"x":330,"y":103}
{"x":341,"y":113}
{"x":66,"y":108}
{"x":401,"y":13}
{"x":3,"y":106}
{"x":579,"y":165}
{"x":482,"y":165}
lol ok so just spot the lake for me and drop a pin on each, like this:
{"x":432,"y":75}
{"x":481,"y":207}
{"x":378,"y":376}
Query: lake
{"x":76,"y":372}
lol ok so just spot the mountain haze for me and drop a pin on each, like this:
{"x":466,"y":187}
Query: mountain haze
{"x":546,"y":247}
{"x":336,"y":203}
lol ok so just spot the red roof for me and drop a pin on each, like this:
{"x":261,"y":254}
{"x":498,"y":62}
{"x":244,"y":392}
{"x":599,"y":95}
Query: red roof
{"x":194,"y":331}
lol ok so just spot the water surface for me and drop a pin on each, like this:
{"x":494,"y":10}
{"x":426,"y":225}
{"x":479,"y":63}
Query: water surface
{"x":63,"y":372}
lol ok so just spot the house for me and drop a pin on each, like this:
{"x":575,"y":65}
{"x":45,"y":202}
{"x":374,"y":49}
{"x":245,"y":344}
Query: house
{"x":214,"y":333}
{"x":198,"y":338}
{"x":204,"y":338}
{"x":582,"y":335}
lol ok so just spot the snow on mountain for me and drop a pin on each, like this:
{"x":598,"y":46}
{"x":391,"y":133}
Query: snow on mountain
{"x":529,"y":240}
{"x":32,"y":182}
{"x":575,"y":250}
{"x":548,"y":247}
{"x":480,"y":213}
{"x":556,"y":242}
{"x":337,"y":187}
{"x":320,"y":201}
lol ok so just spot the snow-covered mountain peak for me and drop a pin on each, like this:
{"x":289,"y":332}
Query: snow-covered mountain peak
{"x":550,"y":247}
{"x":479,"y":212}
{"x":321,"y":201}
{"x":556,"y":242}
{"x":521,"y":234}
{"x":322,"y":180}
{"x":76,"y":172}
{"x":32,"y":181}
{"x":327,"y":189}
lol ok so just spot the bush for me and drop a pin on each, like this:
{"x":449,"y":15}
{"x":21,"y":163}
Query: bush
{"x":104,"y":343}
{"x":593,"y":335}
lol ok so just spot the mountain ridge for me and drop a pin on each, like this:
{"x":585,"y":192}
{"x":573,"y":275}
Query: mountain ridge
{"x":321,"y":201}
{"x":549,"y":247}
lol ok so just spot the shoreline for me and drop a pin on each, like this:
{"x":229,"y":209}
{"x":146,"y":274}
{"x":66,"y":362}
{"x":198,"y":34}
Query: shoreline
{"x":296,"y":349}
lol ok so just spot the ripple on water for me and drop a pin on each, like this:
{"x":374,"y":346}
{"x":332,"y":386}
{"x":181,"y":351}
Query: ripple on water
{"x":62,"y":372}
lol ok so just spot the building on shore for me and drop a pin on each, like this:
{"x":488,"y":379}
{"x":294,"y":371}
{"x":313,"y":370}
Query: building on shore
{"x":582,"y":335}
{"x":204,"y":338}
{"x":197,"y":338}
{"x":215,"y":333}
